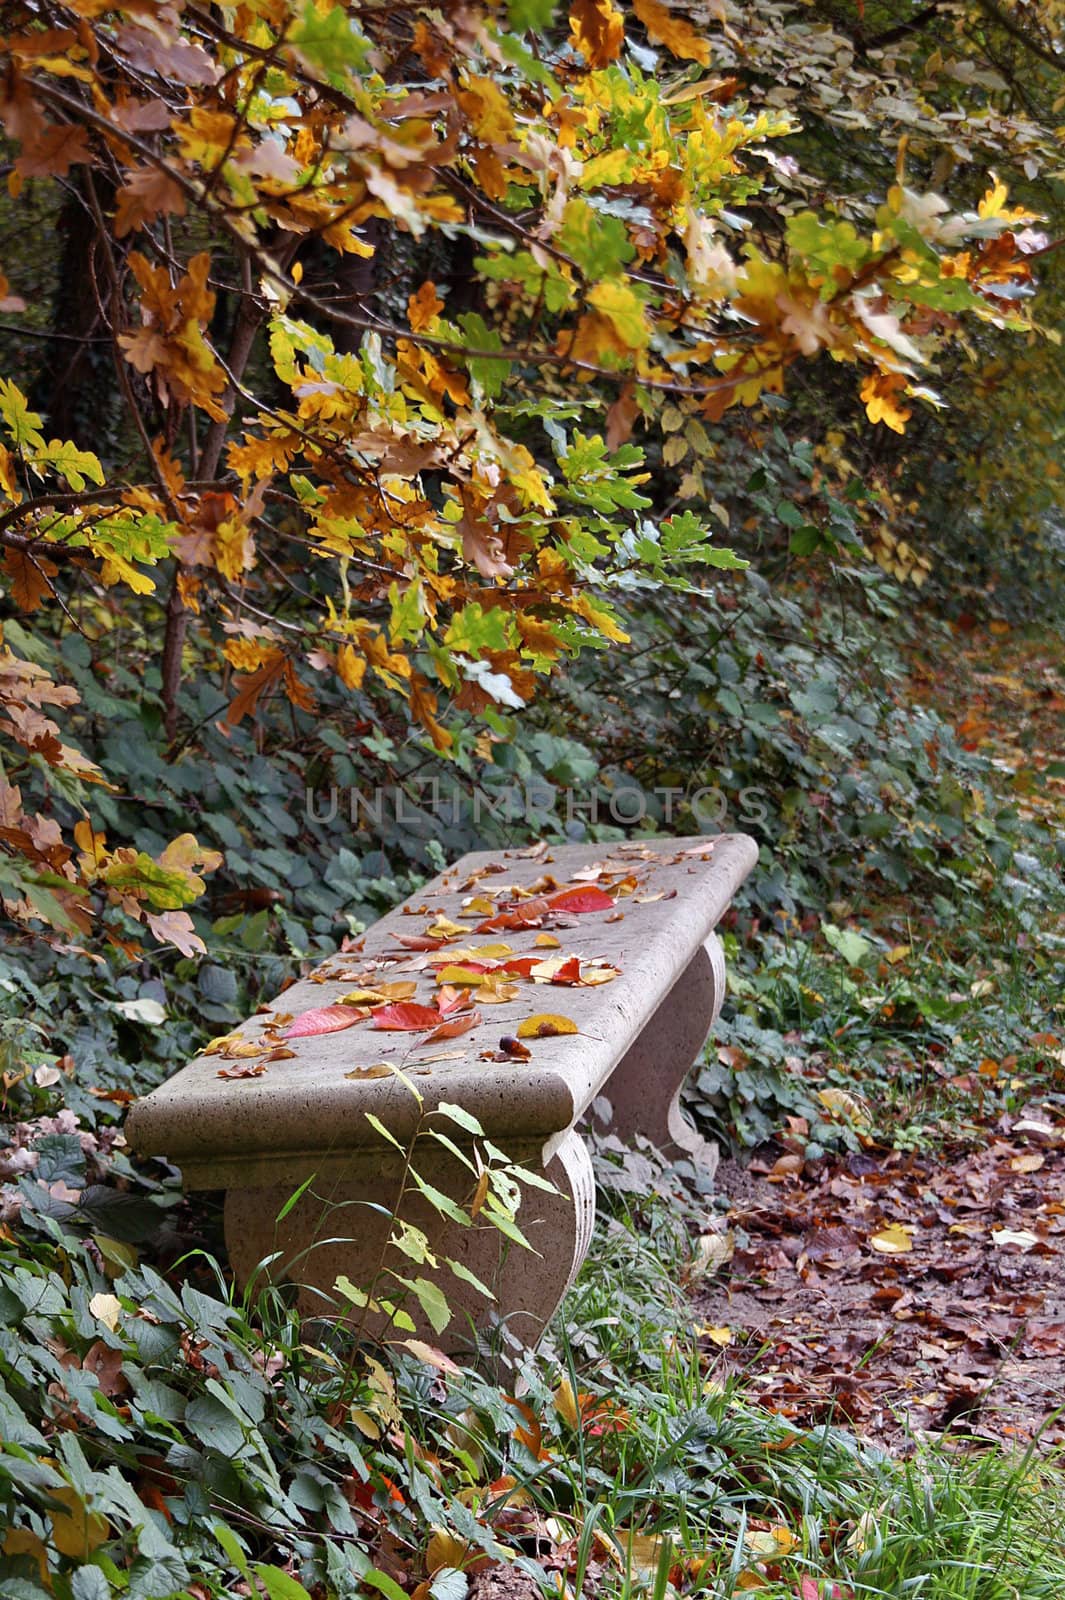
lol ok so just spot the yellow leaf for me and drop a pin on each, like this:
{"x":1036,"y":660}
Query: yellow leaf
{"x":994,"y":199}
{"x":351,"y":667}
{"x":444,"y":1550}
{"x":547,"y":941}
{"x":545,"y":1025}
{"x":76,"y":1532}
{"x":894,"y":1240}
{"x":847,"y":1107}
{"x":566,"y":1404}
{"x":23,"y":1542}
{"x":464,"y":976}
{"x":619,"y":302}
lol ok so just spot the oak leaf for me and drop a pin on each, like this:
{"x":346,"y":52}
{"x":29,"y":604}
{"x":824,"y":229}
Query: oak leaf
{"x":676,"y":33}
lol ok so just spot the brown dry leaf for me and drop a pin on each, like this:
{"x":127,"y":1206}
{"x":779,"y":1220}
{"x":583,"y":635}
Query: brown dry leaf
{"x":379,"y":994}
{"x":378,"y":1069}
{"x":249,"y":1069}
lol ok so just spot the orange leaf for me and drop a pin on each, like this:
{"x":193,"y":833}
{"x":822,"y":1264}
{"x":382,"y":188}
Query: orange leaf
{"x":597,"y":31}
{"x":455,"y":1026}
{"x":679,"y":37}
{"x":424,"y":307}
{"x":29,"y":579}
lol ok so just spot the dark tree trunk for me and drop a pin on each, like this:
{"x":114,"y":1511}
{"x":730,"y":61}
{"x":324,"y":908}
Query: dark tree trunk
{"x":75,"y":384}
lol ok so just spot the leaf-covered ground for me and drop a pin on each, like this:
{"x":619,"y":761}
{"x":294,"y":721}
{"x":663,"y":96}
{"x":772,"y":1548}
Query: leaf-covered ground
{"x":920,"y":1290}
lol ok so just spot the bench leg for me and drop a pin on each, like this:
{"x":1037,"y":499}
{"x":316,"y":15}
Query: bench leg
{"x":337,"y":1228}
{"x":644,"y":1089}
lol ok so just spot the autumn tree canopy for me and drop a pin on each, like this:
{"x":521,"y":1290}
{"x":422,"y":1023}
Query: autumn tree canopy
{"x":391,"y":301}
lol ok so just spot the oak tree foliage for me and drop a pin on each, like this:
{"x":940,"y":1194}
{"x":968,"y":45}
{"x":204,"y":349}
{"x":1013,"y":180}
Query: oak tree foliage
{"x":393,"y":299}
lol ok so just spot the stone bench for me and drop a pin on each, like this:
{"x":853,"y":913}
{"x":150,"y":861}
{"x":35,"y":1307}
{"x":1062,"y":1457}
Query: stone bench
{"x":264,"y":1113}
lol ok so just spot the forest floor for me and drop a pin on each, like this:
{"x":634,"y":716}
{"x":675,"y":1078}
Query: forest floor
{"x":919,"y":1291}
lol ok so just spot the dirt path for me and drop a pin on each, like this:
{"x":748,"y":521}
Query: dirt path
{"x":962,"y":1329}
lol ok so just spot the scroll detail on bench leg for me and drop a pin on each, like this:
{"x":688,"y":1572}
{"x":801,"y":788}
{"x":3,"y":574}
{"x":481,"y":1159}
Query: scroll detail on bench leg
{"x":644,"y":1088}
{"x":337,"y":1229}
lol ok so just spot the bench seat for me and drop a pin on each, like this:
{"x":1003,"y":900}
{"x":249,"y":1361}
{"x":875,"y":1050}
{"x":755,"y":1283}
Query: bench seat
{"x":639,"y":918}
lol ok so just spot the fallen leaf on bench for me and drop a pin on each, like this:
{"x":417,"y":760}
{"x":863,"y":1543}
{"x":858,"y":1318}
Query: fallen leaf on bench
{"x":232,"y":1044}
{"x":496,"y":991}
{"x":546,"y":941}
{"x":250,"y":1069}
{"x":405,"y":1016}
{"x":472,"y":976}
{"x":455,"y":1026}
{"x":523,"y":916}
{"x":326,"y":1019}
{"x":380,"y":994}
{"x":546,"y":1025}
{"x":416,"y":941}
{"x":478,"y":905}
{"x":580,"y":901}
{"x":444,"y":928}
{"x":521,"y":966}
{"x":598,"y":972}
{"x":380,"y":1069}
{"x":450,"y":1000}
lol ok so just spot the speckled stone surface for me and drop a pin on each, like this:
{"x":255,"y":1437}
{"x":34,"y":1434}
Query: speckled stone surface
{"x":305,"y":1114}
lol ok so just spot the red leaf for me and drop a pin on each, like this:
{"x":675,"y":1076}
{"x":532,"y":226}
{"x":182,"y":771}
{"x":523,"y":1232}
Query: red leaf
{"x":578,"y":900}
{"x":569,"y":972}
{"x":455,"y":1026}
{"x":404,"y":1016}
{"x":416,"y":941}
{"x":326,"y":1019}
{"x":521,"y":966}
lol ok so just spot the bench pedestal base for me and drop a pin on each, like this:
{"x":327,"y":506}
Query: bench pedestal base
{"x":644,"y":1089}
{"x":337,"y":1228}
{"x":341,"y":1226}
